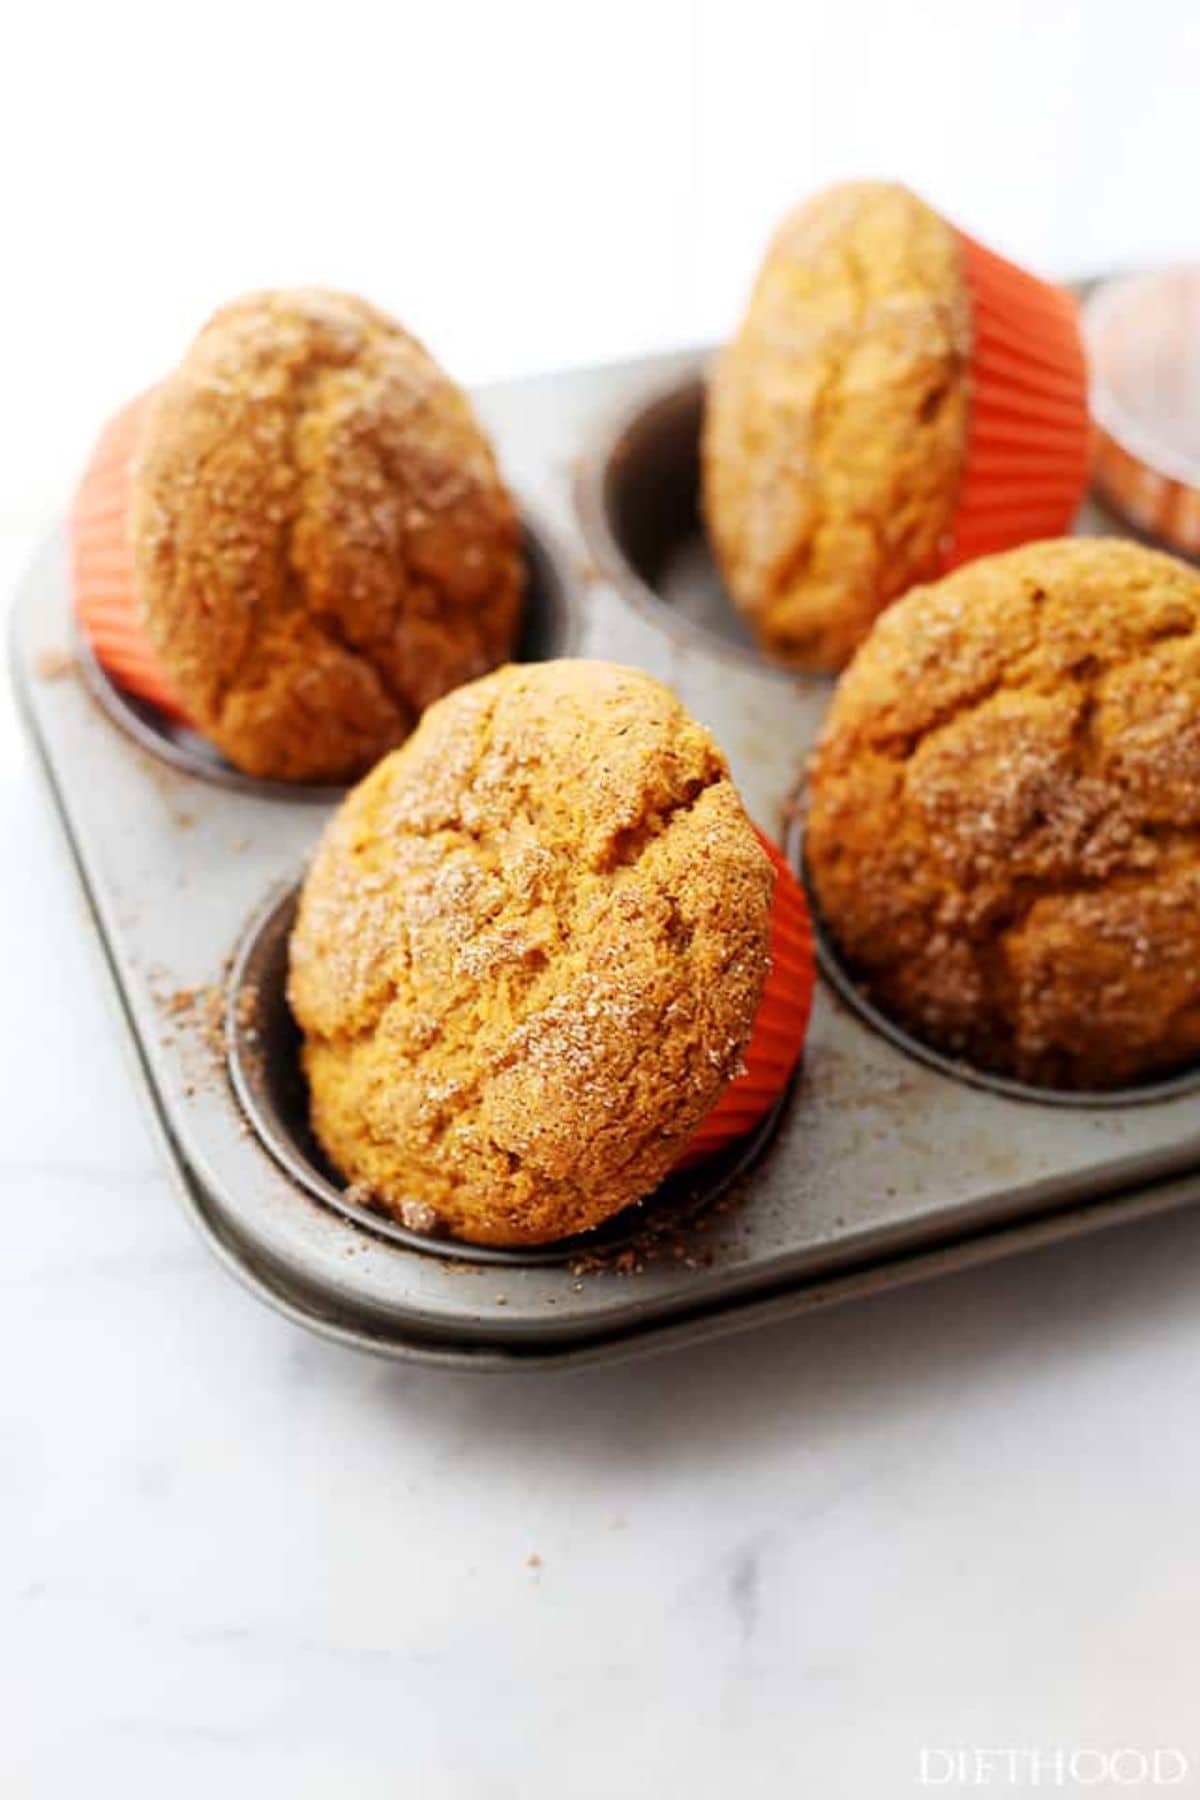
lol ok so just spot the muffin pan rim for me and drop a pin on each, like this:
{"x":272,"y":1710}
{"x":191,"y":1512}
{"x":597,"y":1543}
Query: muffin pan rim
{"x":139,"y":719}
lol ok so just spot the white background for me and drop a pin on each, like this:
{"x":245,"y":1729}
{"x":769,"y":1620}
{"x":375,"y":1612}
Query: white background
{"x":235,"y":1560}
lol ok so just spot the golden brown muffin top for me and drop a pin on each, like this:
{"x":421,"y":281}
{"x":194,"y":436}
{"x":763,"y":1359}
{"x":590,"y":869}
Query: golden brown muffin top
{"x":322,"y":540}
{"x":836,"y":423}
{"x":1004,"y":829}
{"x":529,"y":954}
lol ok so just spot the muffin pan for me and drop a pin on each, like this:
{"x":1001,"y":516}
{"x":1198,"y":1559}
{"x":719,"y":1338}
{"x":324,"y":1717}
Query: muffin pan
{"x":886,"y":1164}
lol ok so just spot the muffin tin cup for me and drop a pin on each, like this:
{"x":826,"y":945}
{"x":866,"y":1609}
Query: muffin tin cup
{"x":549,"y":628}
{"x":885,"y":1163}
{"x":1025,"y":474}
{"x":638,"y":497}
{"x":263,"y":1047}
{"x":841,"y":977}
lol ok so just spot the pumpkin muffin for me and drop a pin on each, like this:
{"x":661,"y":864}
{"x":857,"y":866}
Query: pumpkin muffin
{"x":303,"y":532}
{"x":897,"y":400}
{"x":1004,"y":824}
{"x":530,"y":954}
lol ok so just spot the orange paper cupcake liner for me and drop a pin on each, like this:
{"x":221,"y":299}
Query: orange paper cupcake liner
{"x":771,"y":1056}
{"x":102,"y":566}
{"x":1028,"y":435}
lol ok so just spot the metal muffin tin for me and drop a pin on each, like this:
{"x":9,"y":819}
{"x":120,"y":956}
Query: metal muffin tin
{"x":886,"y":1164}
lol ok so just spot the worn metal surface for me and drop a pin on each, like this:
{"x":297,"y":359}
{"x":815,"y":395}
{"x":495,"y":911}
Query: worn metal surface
{"x":884,"y":1167}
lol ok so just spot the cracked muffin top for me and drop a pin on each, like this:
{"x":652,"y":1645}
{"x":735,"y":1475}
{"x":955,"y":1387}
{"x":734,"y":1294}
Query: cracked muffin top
{"x":529,"y":954}
{"x":1004,"y":824}
{"x":322,"y":540}
{"x":835,"y":430}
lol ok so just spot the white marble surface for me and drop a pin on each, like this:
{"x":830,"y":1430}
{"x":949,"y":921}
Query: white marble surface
{"x":235,"y":1560}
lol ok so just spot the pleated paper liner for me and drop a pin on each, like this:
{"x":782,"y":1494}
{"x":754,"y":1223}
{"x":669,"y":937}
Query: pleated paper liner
{"x":102,"y":565}
{"x":1028,"y":434}
{"x":771,"y":1056}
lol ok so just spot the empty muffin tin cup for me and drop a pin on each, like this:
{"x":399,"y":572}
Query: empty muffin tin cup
{"x":847,"y":986}
{"x":263,"y":1049}
{"x":549,"y":628}
{"x":638,"y":498}
{"x":1143,"y":338}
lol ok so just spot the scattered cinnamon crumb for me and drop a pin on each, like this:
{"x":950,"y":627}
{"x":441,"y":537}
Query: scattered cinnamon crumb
{"x":52,"y":665}
{"x":212,"y":1020}
{"x":618,"y":1262}
{"x":202,"y":1010}
{"x":418,"y":1215}
{"x":669,"y":1237}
